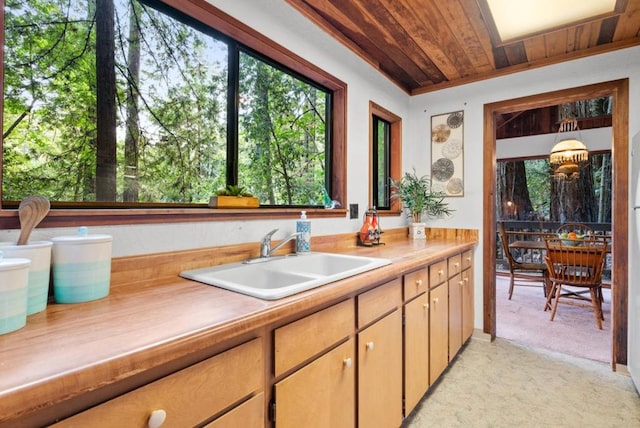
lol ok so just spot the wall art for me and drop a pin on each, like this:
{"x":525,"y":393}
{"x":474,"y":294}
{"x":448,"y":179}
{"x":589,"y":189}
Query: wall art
{"x":447,"y":153}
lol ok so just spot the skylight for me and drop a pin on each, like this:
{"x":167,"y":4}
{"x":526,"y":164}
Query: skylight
{"x":517,"y":19}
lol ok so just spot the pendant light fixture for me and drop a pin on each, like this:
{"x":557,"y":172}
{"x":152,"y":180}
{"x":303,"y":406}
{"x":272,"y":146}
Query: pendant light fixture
{"x":567,"y":154}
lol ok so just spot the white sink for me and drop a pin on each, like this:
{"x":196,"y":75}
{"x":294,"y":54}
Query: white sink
{"x":284,"y":276}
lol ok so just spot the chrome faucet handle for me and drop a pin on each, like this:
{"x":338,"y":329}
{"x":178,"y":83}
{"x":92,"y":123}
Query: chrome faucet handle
{"x":265,"y":243}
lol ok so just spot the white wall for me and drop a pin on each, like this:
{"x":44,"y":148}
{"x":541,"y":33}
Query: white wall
{"x":536,"y":145}
{"x":472,"y":98}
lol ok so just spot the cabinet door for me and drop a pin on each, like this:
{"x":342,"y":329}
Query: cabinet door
{"x":380,"y":373}
{"x":249,"y":414}
{"x":455,"y":315}
{"x":416,"y":351}
{"x":467,"y":304}
{"x":188,"y":397}
{"x":321,"y":394}
{"x":438,"y":331}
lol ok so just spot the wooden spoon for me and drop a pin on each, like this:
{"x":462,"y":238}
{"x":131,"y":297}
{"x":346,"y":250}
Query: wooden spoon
{"x":31,"y":211}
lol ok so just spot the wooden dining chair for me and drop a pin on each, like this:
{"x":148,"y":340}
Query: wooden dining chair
{"x":523,"y":273}
{"x":574,"y":271}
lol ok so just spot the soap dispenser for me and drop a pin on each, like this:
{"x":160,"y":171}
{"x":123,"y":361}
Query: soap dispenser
{"x":303,"y":239}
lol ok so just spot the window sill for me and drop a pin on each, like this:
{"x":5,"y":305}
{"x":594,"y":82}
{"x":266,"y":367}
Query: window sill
{"x":110,"y":217}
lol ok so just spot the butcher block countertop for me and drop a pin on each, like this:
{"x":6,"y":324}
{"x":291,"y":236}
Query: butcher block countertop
{"x":86,"y":352}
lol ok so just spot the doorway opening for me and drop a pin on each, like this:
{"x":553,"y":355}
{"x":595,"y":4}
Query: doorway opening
{"x":618,"y":91}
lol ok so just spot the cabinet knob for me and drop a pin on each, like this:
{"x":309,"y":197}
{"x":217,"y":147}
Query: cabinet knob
{"x":461,"y":283}
{"x":419,"y":282}
{"x":436,"y":299}
{"x":347,"y":362}
{"x":468,"y":259}
{"x":370,"y":346}
{"x":426,"y":305}
{"x":466,"y":279}
{"x":440,"y":272}
{"x":157,"y":418}
{"x":456,"y":264}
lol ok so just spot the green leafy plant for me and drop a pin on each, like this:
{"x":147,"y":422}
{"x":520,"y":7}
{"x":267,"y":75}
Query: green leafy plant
{"x":233,"y":191}
{"x":417,"y":197}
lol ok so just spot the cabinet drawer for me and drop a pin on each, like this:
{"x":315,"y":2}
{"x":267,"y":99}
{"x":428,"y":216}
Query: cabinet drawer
{"x":415,"y":283}
{"x":454,"y":265}
{"x":375,"y":303}
{"x":437,"y":273}
{"x":302,"y":339}
{"x":189,"y":396}
{"x":249,"y":414}
{"x":467,"y":259}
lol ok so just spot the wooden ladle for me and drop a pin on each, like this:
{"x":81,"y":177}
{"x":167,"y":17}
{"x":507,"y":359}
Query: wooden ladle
{"x":31,"y":211}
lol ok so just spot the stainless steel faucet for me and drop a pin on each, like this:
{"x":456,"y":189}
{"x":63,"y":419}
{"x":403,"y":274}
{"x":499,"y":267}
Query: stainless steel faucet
{"x":265,"y":243}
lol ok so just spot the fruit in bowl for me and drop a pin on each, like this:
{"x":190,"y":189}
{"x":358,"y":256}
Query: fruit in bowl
{"x":570,"y":238}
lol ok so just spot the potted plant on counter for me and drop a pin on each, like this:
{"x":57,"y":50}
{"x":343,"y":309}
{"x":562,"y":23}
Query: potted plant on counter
{"x":233,"y":197}
{"x":418,"y":198}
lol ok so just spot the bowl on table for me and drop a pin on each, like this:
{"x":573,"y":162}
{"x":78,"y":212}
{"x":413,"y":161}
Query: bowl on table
{"x":571,"y":240}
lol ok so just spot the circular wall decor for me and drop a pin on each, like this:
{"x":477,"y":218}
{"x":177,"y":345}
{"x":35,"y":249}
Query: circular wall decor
{"x":454,"y":186}
{"x":442,"y":169}
{"x":452,"y":148}
{"x":440,"y":133}
{"x":455,"y":119}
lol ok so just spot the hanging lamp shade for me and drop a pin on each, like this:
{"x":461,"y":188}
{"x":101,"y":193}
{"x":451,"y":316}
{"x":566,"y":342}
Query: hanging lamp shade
{"x":566,"y":155}
{"x":568,"y":151}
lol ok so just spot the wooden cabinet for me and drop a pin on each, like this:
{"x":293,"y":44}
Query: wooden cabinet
{"x":438,"y":331}
{"x":416,"y":347}
{"x":188,"y":397}
{"x":380,"y":356}
{"x":248,"y":414}
{"x":322,"y":392}
{"x":380,"y":373}
{"x":467,"y":295}
{"x":455,"y":315}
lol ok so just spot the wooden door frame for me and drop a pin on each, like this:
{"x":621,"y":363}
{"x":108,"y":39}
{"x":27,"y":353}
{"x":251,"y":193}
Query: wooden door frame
{"x":619,"y":90}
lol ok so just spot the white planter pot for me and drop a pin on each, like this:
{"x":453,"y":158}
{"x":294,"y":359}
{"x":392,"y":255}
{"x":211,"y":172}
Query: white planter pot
{"x":417,"y":231}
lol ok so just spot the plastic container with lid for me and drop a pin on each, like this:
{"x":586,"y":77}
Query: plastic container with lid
{"x":14,"y":277}
{"x":81,"y":267}
{"x":39,"y":252}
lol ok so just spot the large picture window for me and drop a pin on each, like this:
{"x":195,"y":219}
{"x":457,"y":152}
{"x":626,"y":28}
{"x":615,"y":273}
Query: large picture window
{"x":130,"y":102}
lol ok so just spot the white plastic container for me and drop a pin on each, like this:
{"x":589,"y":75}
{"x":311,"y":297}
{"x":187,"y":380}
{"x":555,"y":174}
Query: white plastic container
{"x":81,"y":267}
{"x":39,"y":252}
{"x":14,"y":277}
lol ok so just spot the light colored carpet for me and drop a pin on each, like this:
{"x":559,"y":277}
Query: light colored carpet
{"x":573,"y":331}
{"x":505,"y":384}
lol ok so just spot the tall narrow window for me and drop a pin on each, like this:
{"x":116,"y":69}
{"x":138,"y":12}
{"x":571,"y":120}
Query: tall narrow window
{"x":381,"y":163}
{"x":385,"y":158}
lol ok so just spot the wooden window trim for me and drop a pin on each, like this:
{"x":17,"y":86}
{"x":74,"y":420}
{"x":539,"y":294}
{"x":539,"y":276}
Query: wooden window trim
{"x":231,"y":27}
{"x":395,"y":151}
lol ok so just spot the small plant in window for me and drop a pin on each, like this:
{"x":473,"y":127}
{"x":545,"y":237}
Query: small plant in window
{"x":233,"y":191}
{"x":233,"y":197}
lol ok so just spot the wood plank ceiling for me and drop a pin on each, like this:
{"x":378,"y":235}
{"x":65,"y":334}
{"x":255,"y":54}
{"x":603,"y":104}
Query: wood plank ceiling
{"x":426,"y":45}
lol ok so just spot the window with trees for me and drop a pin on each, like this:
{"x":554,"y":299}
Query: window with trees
{"x":381,"y":161}
{"x":131,"y":102}
{"x":385,"y":159}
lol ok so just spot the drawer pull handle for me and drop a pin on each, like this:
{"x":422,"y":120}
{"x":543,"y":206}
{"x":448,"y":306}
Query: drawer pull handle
{"x":468,"y":259}
{"x":440,"y":272}
{"x":456,"y":264}
{"x":435,"y":300}
{"x":370,"y":346}
{"x":347,"y":362}
{"x":157,"y":418}
{"x":419,"y":282}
